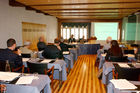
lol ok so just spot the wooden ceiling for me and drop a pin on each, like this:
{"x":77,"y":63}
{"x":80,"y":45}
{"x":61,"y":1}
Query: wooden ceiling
{"x":85,"y":9}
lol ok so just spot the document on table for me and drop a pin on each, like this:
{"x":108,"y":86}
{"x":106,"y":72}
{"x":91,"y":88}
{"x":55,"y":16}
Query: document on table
{"x":8,"y":76}
{"x":130,"y":55}
{"x":124,"y":65}
{"x":46,"y":61}
{"x":122,"y":84}
{"x":66,"y":52}
{"x":103,"y":55}
{"x":25,"y":80}
{"x":25,"y":59}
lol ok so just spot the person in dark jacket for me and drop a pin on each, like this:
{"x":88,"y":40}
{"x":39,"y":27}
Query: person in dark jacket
{"x":115,"y":50}
{"x":71,"y":39}
{"x":8,"y":54}
{"x":53,"y":51}
{"x":41,"y":44}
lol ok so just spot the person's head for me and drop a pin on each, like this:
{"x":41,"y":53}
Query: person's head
{"x":72,"y":36}
{"x":83,"y":37}
{"x":57,"y":41}
{"x":109,"y":39}
{"x":41,"y":39}
{"x":11,"y":43}
{"x":114,"y":43}
{"x":27,"y":44}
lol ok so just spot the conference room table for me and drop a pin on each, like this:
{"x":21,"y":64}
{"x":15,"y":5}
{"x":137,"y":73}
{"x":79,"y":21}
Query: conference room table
{"x":112,"y":89}
{"x":41,"y":83}
{"x":131,"y":58}
{"x":74,"y":51}
{"x":68,"y":58}
{"x":107,"y":71}
{"x":87,"y":49}
{"x":59,"y":69}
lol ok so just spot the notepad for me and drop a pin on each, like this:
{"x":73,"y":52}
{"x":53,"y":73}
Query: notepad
{"x":130,"y":55}
{"x":103,"y":55}
{"x":46,"y":61}
{"x":25,"y":80}
{"x":124,"y":65}
{"x":122,"y":84}
{"x":25,"y":59}
{"x":66,"y":52}
{"x":8,"y":76}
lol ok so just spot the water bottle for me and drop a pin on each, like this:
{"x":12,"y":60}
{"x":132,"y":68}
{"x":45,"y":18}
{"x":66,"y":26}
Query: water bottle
{"x":7,"y":66}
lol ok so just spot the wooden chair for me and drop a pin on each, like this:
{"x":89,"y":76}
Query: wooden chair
{"x":11,"y":67}
{"x":2,"y":88}
{"x":41,"y":68}
{"x":16,"y":69}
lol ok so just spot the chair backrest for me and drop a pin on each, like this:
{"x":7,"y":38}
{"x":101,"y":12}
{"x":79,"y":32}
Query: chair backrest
{"x":128,"y":51}
{"x":118,"y":59}
{"x":37,"y":67}
{"x":2,"y":65}
{"x":26,"y":55}
{"x":127,"y":73}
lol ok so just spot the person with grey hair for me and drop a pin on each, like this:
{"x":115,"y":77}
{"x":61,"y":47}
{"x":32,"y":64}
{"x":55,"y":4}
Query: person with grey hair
{"x":41,"y":44}
{"x":105,"y":47}
{"x":25,"y":49}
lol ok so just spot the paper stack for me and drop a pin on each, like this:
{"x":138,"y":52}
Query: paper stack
{"x":8,"y":76}
{"x":122,"y":84}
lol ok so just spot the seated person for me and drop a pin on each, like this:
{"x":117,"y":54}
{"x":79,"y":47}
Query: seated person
{"x":105,"y":47}
{"x":82,"y":40}
{"x":41,"y":44}
{"x":25,"y":49}
{"x":71,"y":39}
{"x":8,"y":54}
{"x":53,"y":51}
{"x":115,"y":50}
{"x":63,"y":46}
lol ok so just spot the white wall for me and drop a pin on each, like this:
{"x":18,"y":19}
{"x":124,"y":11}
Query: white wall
{"x":12,"y":17}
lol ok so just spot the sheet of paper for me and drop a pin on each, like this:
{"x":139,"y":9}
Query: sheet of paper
{"x":125,"y":65}
{"x":130,"y":55}
{"x":122,"y":84}
{"x":66,"y":52}
{"x":46,"y":61}
{"x":8,"y":76}
{"x":103,"y":55}
{"x":25,"y":80}
{"x":25,"y":59}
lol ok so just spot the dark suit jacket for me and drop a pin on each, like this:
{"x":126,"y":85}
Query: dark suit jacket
{"x":41,"y":46}
{"x":52,"y":52}
{"x":65,"y":47}
{"x":7,"y":54}
{"x":72,"y":40}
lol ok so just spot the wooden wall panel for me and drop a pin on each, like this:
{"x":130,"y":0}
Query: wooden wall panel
{"x":32,"y":32}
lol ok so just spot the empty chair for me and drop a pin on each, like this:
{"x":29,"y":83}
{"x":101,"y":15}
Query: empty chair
{"x":118,"y":59}
{"x":26,"y":55}
{"x":128,"y":51}
{"x":127,"y":73}
{"x":40,"y":68}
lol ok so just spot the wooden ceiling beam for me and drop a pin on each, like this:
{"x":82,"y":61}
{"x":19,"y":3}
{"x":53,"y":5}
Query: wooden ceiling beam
{"x":83,"y":3}
{"x":90,"y":9}
{"x":14,"y":3}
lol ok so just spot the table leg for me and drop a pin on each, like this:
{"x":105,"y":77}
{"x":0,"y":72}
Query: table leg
{"x":60,"y":79}
{"x":69,"y":66}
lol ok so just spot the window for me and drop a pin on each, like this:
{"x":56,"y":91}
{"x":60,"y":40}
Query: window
{"x":103,"y":30}
{"x":78,"y":32}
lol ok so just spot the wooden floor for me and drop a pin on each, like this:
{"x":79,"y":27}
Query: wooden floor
{"x":82,"y":78}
